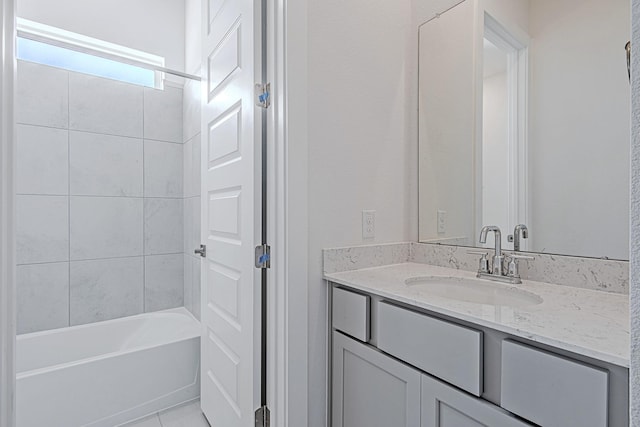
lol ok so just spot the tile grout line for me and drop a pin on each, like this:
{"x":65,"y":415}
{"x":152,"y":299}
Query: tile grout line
{"x":144,"y":216}
{"x":69,"y":189}
{"x":101,"y":196}
{"x":68,"y":129}
{"x":99,"y":259}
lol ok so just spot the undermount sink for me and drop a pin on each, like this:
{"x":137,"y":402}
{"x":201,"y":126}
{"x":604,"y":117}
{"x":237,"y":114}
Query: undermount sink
{"x":473,"y":290}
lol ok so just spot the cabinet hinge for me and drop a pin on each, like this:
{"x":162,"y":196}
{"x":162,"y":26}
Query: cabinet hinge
{"x":263,"y":95}
{"x":263,"y":417}
{"x":263,"y":256}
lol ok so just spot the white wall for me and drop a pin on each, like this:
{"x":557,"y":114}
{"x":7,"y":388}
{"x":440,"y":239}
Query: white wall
{"x":152,"y":26}
{"x":579,"y":121}
{"x":361,"y":155}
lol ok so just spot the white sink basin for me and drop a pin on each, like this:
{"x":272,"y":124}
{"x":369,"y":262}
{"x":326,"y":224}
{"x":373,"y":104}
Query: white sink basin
{"x":473,"y":290}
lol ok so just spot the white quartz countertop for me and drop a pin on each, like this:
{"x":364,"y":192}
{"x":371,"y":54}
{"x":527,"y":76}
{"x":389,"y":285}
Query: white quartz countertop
{"x":586,"y":322}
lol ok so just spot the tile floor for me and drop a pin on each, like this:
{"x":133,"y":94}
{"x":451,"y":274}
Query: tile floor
{"x":187,"y":415}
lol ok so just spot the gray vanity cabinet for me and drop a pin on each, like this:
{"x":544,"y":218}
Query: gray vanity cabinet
{"x":371,"y":389}
{"x":446,"y":406}
{"x":396,"y":366}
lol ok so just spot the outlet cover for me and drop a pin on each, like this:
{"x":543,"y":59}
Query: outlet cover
{"x":368,"y":224}
{"x":442,"y":222}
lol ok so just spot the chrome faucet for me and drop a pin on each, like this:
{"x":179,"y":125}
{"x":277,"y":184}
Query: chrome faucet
{"x":498,"y":259}
{"x":499,"y":271}
{"x":515,"y":237}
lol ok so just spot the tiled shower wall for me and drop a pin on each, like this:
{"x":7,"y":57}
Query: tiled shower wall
{"x":100,"y":198}
{"x":191,"y":156}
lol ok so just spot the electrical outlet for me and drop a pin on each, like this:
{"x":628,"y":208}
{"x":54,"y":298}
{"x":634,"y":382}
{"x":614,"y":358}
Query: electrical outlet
{"x":368,"y":224}
{"x":442,"y":222}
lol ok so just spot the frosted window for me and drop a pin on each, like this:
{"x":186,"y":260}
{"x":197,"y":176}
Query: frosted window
{"x":43,"y":53}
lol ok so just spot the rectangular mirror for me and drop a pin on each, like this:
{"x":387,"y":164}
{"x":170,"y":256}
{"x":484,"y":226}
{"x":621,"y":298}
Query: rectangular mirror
{"x":524,"y":119}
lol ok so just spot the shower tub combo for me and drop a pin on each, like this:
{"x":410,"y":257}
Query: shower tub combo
{"x":108,"y":373}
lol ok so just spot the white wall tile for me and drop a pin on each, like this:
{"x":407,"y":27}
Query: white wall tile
{"x":194,"y":229}
{"x":106,"y":289}
{"x":163,"y":114}
{"x":188,"y":227}
{"x":103,"y":227}
{"x":192,"y":282}
{"x":164,"y":287}
{"x":105,"y":165}
{"x":162,"y":169}
{"x":195,"y":166}
{"x":42,"y":296}
{"x":42,"y":160}
{"x":191,"y":109}
{"x":105,"y":106}
{"x":191,"y":167}
{"x":188,"y":282}
{"x":42,"y":229}
{"x":163,"y":228}
{"x":187,"y":161}
{"x":197,"y":289}
{"x":42,"y":95}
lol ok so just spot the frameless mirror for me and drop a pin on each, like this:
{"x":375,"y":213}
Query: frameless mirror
{"x":524,"y":119}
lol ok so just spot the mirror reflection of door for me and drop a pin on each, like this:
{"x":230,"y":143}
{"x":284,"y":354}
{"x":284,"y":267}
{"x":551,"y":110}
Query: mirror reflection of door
{"x":502,"y":171}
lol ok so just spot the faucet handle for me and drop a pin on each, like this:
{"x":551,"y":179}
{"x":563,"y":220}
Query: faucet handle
{"x":512,"y":265}
{"x":484,"y":262}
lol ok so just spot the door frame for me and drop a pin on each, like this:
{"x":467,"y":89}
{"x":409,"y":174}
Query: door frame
{"x":7,"y":218}
{"x":515,"y":43}
{"x":288,"y":207}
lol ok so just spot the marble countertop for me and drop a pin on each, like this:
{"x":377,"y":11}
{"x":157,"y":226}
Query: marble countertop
{"x":586,"y":322}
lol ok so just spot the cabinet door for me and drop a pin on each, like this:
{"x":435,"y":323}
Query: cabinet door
{"x":446,"y":406}
{"x":371,"y":389}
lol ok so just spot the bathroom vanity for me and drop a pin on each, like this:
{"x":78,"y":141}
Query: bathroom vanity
{"x":418,"y":345}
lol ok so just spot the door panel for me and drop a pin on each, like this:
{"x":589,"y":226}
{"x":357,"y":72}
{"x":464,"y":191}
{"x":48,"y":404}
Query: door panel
{"x":230,"y":214}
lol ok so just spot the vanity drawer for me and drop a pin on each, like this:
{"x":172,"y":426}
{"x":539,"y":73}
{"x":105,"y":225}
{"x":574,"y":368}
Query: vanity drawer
{"x":351,"y":313}
{"x":445,"y":350}
{"x":551,"y":390}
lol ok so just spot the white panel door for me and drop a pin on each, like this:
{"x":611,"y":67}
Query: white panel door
{"x":230,"y":213}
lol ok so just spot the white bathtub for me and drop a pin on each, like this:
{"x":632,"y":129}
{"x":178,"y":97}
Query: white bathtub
{"x":107,"y":373}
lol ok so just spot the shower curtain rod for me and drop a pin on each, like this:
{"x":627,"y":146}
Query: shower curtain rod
{"x":105,"y":55}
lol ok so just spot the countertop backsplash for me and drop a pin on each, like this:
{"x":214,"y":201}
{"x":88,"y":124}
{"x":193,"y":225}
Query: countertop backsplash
{"x":587,"y":273}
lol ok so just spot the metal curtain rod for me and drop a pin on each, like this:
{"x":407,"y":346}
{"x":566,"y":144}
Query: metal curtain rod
{"x":109,"y":56}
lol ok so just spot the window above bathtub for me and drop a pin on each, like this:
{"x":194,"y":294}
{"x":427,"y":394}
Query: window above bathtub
{"x":56,"y":47}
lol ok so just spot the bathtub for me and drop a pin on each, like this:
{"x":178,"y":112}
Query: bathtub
{"x":107,"y":373}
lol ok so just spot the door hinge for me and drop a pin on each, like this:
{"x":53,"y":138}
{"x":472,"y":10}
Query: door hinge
{"x":263,"y":417}
{"x":202,"y":251}
{"x":263,"y":95}
{"x":263,"y":256}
